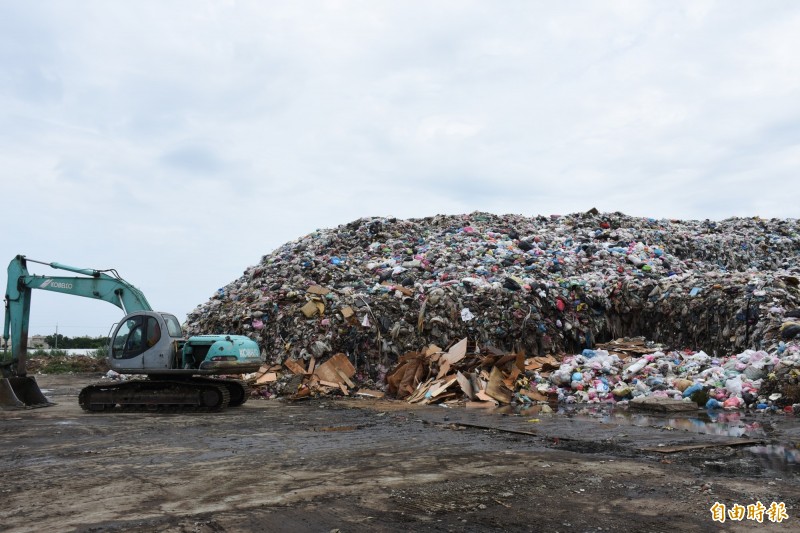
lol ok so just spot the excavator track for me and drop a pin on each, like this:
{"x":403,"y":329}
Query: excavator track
{"x":195,"y":394}
{"x":238,"y":389}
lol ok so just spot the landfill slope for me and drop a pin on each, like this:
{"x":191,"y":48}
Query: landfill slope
{"x":376,"y":288}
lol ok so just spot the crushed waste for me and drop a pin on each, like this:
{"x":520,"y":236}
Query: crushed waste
{"x":583,"y":308}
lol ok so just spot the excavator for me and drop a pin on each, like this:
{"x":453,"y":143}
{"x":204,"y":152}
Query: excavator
{"x":172,"y":372}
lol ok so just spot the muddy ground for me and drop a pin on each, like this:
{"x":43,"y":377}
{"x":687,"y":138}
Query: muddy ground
{"x":368,"y":465}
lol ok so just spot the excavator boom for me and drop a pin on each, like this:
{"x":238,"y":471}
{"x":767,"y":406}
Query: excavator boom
{"x":97,"y":285}
{"x":17,"y":389}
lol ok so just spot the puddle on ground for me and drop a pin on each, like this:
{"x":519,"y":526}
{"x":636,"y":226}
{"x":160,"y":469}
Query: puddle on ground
{"x":722,"y":423}
{"x":781,"y":458}
{"x":778,"y":457}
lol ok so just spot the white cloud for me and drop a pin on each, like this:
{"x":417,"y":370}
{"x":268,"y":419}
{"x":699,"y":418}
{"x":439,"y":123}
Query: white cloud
{"x":179,"y":142}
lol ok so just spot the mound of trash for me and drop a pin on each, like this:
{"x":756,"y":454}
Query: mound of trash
{"x":65,"y":364}
{"x":378,"y":288}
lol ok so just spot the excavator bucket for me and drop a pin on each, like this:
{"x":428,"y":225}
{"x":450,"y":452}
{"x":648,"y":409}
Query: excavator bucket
{"x":21,"y":393}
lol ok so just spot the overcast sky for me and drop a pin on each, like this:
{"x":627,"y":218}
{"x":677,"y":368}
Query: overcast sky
{"x":181,"y":141}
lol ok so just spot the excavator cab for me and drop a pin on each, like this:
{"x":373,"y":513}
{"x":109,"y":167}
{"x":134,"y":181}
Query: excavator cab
{"x":150,"y":342}
{"x":145,"y":340}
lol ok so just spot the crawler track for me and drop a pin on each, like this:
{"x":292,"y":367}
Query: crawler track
{"x":238,"y":390}
{"x":194,"y":394}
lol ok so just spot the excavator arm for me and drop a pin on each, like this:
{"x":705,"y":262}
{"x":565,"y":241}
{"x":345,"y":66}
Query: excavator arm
{"x":96,"y":284}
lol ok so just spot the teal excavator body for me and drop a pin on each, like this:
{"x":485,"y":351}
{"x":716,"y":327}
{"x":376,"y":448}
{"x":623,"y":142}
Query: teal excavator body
{"x":144,"y":342}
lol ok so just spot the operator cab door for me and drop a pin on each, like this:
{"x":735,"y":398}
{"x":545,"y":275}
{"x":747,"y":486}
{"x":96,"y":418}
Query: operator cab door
{"x":142,"y":342}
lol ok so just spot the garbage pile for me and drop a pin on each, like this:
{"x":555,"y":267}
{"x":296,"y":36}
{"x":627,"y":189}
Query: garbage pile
{"x":618,"y":371}
{"x":63,"y":364}
{"x":378,"y":288}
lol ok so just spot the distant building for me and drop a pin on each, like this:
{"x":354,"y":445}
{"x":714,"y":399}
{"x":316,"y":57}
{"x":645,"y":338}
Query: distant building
{"x":35,"y":342}
{"x":38,"y":342}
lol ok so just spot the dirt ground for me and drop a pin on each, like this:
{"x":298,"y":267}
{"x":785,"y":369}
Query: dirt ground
{"x":368,"y":465}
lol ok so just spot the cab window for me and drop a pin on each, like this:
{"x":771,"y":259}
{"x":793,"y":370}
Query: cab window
{"x":153,"y":332}
{"x":173,"y":326}
{"x":129,"y":339}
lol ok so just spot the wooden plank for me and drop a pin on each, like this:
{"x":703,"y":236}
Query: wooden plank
{"x":302,"y":393}
{"x":371,"y":393}
{"x":444,"y":368}
{"x":471,"y":405}
{"x":432,"y":349}
{"x":505,"y":359}
{"x":294,"y":366}
{"x":268,"y":377}
{"x":319,"y":290}
{"x":494,"y":428}
{"x":466,"y":385}
{"x":547,"y":362}
{"x":481,"y":395}
{"x":329,"y":369}
{"x":457,"y":352}
{"x":534,"y":395}
{"x":405,"y":291}
{"x":496,"y":389}
{"x":443,"y":397}
{"x":345,"y":379}
{"x":420,"y":391}
{"x":443,"y":387}
{"x":686,"y":447}
{"x":309,"y":309}
{"x":343,"y":364}
{"x":511,"y":380}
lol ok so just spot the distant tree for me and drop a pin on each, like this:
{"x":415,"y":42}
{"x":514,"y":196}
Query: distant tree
{"x":55,"y":340}
{"x":66,"y":343}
